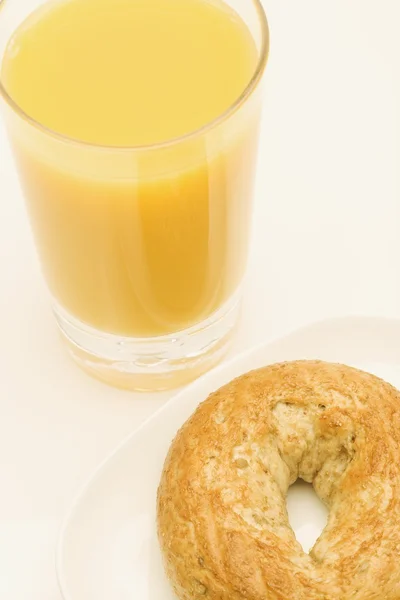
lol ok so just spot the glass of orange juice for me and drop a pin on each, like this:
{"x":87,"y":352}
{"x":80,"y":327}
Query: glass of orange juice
{"x":134,"y":126}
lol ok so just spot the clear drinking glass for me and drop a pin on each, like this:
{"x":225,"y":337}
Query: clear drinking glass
{"x":143,"y":302}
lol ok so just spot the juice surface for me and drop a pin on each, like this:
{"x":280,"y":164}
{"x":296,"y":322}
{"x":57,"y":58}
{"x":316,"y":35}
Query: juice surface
{"x":134,"y":254}
{"x":129,"y":72}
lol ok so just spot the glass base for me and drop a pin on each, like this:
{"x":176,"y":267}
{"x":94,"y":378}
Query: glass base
{"x":150,"y":364}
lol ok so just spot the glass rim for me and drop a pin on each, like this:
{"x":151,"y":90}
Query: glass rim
{"x":233,"y":108}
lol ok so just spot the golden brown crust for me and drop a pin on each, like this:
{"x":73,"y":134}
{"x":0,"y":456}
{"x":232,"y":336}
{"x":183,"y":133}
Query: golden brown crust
{"x":222,"y":519}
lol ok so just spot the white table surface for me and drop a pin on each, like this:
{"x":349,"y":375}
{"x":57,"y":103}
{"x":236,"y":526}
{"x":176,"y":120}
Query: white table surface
{"x":326,"y":243}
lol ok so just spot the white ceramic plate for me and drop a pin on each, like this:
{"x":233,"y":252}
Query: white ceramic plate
{"x":108,"y":548}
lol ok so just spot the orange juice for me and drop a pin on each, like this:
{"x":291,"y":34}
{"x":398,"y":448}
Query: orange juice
{"x":137,"y":235}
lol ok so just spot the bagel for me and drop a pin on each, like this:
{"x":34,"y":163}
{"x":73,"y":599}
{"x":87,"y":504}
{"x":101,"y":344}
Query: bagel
{"x":221,"y":508}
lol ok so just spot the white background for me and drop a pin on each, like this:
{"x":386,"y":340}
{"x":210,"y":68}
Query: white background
{"x":325,"y":243}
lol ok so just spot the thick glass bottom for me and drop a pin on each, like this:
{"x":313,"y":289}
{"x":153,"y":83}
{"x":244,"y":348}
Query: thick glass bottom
{"x":151,"y":364}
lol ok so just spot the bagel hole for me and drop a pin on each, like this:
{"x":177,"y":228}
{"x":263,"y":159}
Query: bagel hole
{"x":308,"y":516}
